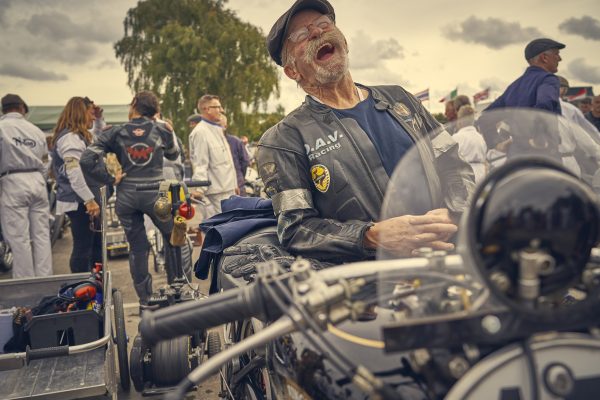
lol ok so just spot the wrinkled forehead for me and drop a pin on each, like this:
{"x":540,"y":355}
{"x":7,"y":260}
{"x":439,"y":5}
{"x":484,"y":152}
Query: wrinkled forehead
{"x":301,"y":19}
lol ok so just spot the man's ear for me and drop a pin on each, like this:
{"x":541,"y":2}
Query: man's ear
{"x":291,"y":72}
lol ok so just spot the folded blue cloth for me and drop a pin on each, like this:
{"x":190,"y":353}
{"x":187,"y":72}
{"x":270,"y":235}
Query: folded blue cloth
{"x":240,"y":216}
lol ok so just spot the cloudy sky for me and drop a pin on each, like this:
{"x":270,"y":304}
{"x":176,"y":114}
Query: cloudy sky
{"x":51,"y":50}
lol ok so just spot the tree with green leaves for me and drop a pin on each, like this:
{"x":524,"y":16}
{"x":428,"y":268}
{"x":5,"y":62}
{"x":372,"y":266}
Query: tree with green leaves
{"x":182,"y":49}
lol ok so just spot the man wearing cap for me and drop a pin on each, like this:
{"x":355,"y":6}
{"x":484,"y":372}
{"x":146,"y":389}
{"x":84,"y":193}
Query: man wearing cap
{"x":537,"y":88}
{"x":327,"y":164}
{"x":24,"y":208}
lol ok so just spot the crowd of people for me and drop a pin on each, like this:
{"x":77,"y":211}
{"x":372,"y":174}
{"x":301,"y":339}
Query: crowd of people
{"x":327,"y":198}
{"x":85,"y":154}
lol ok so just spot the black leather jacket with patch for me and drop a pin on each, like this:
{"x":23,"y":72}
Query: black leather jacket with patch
{"x":139,"y":145}
{"x":326,"y":178}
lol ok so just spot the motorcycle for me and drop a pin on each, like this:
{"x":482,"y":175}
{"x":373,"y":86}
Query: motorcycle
{"x":512,"y":313}
{"x":156,"y":367}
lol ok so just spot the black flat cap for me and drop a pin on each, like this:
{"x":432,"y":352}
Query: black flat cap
{"x":13,"y":100}
{"x":277,"y":35}
{"x":538,"y":46}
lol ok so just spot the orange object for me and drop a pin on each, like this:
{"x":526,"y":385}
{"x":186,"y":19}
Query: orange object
{"x":84,"y":292}
{"x":187,"y":211}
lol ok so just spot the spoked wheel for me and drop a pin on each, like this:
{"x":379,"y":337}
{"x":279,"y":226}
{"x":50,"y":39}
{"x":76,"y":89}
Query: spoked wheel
{"x":121,"y":340}
{"x":256,"y":384}
{"x":136,"y":364}
{"x":171,"y":361}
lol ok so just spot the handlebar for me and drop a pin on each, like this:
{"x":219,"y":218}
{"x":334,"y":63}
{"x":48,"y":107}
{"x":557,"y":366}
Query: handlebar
{"x":155,"y":185}
{"x":218,"y":309}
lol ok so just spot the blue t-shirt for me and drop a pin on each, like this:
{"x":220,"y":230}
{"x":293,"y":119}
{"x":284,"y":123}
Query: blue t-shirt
{"x":392,"y":142}
{"x":389,"y":137}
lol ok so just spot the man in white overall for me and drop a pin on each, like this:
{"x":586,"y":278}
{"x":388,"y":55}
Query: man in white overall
{"x":24,"y":210}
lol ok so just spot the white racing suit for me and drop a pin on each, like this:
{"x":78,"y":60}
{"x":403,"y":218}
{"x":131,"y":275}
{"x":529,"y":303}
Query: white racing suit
{"x":24,"y":210}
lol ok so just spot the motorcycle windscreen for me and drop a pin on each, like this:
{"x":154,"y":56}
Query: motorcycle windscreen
{"x":467,"y":215}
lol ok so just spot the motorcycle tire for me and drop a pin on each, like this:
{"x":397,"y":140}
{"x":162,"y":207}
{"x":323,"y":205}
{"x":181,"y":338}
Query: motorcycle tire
{"x":136,"y":364}
{"x":170,"y":361}
{"x":121,"y":340}
{"x":213,"y":345}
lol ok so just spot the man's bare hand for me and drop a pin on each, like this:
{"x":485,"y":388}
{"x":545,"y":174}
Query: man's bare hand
{"x":402,"y":235}
{"x":197,"y":195}
{"x":92,"y":208}
{"x":119,"y":177}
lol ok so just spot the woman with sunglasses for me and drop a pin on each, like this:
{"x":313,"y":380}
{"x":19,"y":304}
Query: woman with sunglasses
{"x":74,"y":195}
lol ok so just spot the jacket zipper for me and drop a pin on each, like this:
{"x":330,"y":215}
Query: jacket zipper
{"x":356,"y":148}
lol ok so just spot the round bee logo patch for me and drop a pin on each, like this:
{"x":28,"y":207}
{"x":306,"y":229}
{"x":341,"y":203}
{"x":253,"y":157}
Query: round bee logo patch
{"x":320,"y":177}
{"x":402,"y":110}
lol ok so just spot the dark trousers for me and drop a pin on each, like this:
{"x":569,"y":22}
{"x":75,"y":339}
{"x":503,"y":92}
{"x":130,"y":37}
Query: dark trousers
{"x":87,"y":244}
{"x":131,"y":207}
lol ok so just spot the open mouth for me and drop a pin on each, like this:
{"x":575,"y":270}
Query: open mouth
{"x":325,"y":52}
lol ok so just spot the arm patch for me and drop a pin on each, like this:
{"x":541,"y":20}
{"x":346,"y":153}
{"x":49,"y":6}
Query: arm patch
{"x":71,"y":163}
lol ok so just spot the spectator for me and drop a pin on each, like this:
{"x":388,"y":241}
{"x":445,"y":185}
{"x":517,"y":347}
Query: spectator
{"x":578,"y":145}
{"x":172,"y":169}
{"x":459,"y":101}
{"x":471,"y":144}
{"x":328,"y":204}
{"x":249,"y":150}
{"x":24,"y":208}
{"x":450,"y":113}
{"x":537,"y":88}
{"x":211,"y":157}
{"x":74,"y":196}
{"x":585,"y":105}
{"x":594,"y":115}
{"x":193,"y":120}
{"x":240,"y":157}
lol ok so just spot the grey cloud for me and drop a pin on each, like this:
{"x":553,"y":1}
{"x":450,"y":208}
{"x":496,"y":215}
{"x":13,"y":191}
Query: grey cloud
{"x":65,"y":52}
{"x":4,"y":6}
{"x":368,"y":53}
{"x":27,"y":71}
{"x":583,"y":72}
{"x":58,"y":26}
{"x":586,"y":27}
{"x":492,"y":32}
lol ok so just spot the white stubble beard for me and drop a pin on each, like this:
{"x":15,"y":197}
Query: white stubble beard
{"x":337,"y":70}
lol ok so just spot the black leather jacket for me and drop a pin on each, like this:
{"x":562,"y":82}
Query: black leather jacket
{"x":327,"y":181}
{"x":139,"y":146}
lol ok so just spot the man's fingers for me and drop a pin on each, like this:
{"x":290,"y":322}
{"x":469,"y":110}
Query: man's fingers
{"x":439,"y":245}
{"x":437,"y":228}
{"x":425,"y":237}
{"x":429,"y":219}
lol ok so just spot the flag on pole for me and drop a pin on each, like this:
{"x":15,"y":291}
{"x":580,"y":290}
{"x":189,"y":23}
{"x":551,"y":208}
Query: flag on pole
{"x":484,"y":94}
{"x":579,"y":94}
{"x":423,"y":95}
{"x":450,"y":96}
